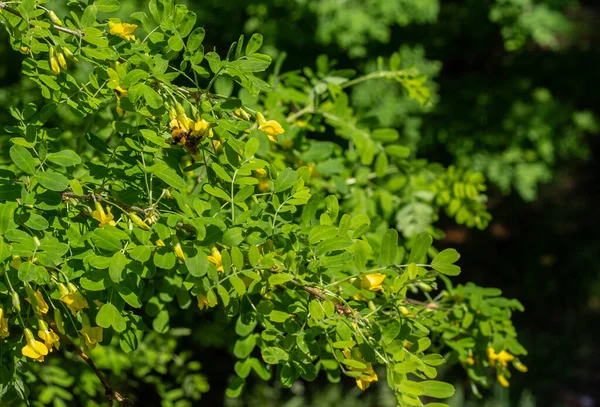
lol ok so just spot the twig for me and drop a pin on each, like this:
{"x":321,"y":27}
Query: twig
{"x":315,"y":292}
{"x":111,"y":394}
{"x":88,"y":197}
{"x":4,"y":7}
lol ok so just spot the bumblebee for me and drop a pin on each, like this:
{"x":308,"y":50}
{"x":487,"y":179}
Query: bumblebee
{"x":189,"y":139}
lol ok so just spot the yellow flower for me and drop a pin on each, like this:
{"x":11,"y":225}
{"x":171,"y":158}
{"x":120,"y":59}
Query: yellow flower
{"x":492,"y":356}
{"x":179,"y":252}
{"x":92,"y":335}
{"x":271,"y":128}
{"x":73,"y":298}
{"x":103,"y":217}
{"x":260,"y":171}
{"x":61,"y":60}
{"x":48,"y":336}
{"x":372,"y":282}
{"x":504,"y":357}
{"x":216,"y":259}
{"x":34,"y":349}
{"x":470,"y":361}
{"x":502,"y":380}
{"x":54,"y":65}
{"x":36,"y":299}
{"x":123,"y":30}
{"x":160,"y":243}
{"x":204,"y":302}
{"x":121,"y":93}
{"x":364,"y":382}
{"x":3,"y":325}
{"x":517,"y":364}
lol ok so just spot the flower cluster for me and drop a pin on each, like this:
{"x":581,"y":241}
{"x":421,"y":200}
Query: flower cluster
{"x":500,"y":361}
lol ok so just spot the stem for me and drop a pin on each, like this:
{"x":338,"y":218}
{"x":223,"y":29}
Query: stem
{"x":4,"y":7}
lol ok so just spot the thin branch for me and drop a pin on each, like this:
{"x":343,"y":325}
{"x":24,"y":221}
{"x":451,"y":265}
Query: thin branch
{"x":4,"y":7}
{"x":89,"y":197}
{"x":111,"y":393}
{"x":315,"y":292}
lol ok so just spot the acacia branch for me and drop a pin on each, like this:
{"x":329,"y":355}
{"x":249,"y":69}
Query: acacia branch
{"x":98,"y":198}
{"x":109,"y":391}
{"x":315,"y":292}
{"x":4,"y":7}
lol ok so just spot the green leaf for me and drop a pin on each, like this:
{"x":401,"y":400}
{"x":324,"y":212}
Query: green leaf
{"x":64,"y":158}
{"x":278,"y":316}
{"x":36,"y":222}
{"x":285,"y":180}
{"x":412,"y":388}
{"x":243,"y":347}
{"x":420,"y":247}
{"x":437,"y":389}
{"x":134,"y":76}
{"x":106,"y":240}
{"x":443,"y":262}
{"x":273,"y":355}
{"x":197,"y":265}
{"x":316,"y":311}
{"x":161,"y":323}
{"x":254,"y":44}
{"x":176,"y":43}
{"x":107,"y":6}
{"x":251,"y":147}
{"x":168,"y":175}
{"x":195,"y":39}
{"x":109,"y":316}
{"x":7,"y":211}
{"x":153,"y":98}
{"x":389,"y":247}
{"x":280,"y":278}
{"x":53,"y":180}
{"x":22,"y":159}
{"x":116,"y":267}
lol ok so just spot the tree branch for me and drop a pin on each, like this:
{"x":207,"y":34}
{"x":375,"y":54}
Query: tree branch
{"x":111,"y":394}
{"x":4,"y":7}
{"x":98,"y":198}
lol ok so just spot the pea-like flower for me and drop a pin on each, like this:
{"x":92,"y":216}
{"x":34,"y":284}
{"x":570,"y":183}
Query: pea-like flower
{"x":204,"y":302}
{"x":271,"y":128}
{"x":369,"y":377}
{"x":37,"y":301}
{"x":105,"y":218}
{"x":372,"y":282}
{"x":123,"y":30}
{"x":3,"y":325}
{"x":50,"y":337}
{"x":35,"y":350}
{"x":73,"y":298}
{"x":216,"y":259}
{"x":91,"y":335}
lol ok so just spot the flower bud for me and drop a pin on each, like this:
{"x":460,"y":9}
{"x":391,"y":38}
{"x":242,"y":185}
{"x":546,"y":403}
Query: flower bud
{"x":138,"y":222}
{"x":69,"y":54}
{"x":61,"y":60}
{"x":54,"y":18}
{"x":58,"y":320}
{"x":16,"y":302}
